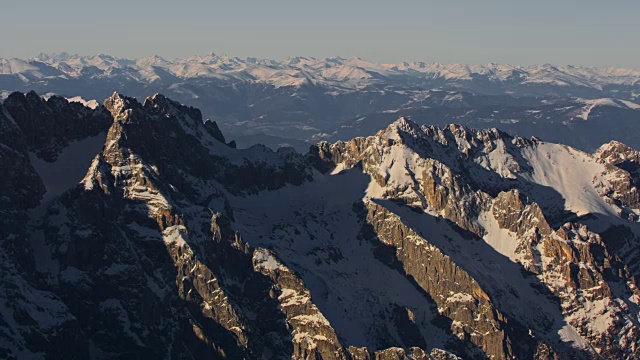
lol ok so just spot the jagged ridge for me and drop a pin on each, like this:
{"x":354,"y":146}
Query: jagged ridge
{"x":424,"y":238}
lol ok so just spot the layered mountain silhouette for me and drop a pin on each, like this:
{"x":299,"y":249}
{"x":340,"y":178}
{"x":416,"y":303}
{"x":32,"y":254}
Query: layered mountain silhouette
{"x":300,"y":101}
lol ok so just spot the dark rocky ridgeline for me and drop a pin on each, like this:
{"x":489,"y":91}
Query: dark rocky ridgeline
{"x":34,"y":319}
{"x":50,"y":125}
{"x":171,"y":246}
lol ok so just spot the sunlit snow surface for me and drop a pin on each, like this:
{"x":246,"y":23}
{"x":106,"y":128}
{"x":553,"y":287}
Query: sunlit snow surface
{"x":92,"y":104}
{"x":313,"y":229}
{"x":570,"y":172}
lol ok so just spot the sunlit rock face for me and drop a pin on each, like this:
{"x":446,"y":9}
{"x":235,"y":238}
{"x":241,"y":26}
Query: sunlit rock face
{"x":132,"y":229}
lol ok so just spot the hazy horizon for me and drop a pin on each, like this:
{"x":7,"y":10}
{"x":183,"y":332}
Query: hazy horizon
{"x":586,"y":33}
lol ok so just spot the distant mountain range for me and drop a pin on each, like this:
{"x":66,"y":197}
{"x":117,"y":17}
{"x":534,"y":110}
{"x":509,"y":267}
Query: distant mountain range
{"x":345,"y":74}
{"x":300,"y":100}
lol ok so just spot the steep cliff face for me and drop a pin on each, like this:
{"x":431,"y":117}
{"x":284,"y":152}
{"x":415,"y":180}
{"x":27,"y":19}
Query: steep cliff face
{"x":624,"y":186}
{"x":48,"y":126}
{"x":415,"y":243}
{"x":551,"y":215}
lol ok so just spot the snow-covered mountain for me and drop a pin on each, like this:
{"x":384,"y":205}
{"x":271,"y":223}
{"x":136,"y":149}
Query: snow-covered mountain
{"x":301,"y":100}
{"x":353,"y":73}
{"x":135,"y":230}
{"x":304,"y":99}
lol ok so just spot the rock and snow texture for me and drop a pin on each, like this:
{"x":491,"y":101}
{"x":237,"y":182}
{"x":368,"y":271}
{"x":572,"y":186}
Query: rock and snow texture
{"x":558,"y":229}
{"x":419,"y":242}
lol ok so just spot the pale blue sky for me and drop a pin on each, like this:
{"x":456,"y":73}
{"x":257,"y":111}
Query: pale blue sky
{"x":594,"y":33}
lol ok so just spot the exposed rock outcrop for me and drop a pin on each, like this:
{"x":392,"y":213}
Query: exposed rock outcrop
{"x":415,"y":243}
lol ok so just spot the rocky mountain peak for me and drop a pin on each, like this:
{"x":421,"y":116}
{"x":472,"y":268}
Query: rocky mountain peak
{"x":404,"y":243}
{"x":47,"y":126}
{"x":165,"y":107}
{"x":17,"y":98}
{"x":121,"y":107}
{"x":406,"y":125}
{"x":160,"y":108}
{"x":615,"y":152}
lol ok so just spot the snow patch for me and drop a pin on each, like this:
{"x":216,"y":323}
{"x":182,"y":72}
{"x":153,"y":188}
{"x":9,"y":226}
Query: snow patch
{"x":92,"y":104}
{"x":175,"y":235}
{"x":264,"y":260}
{"x":570,"y":172}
